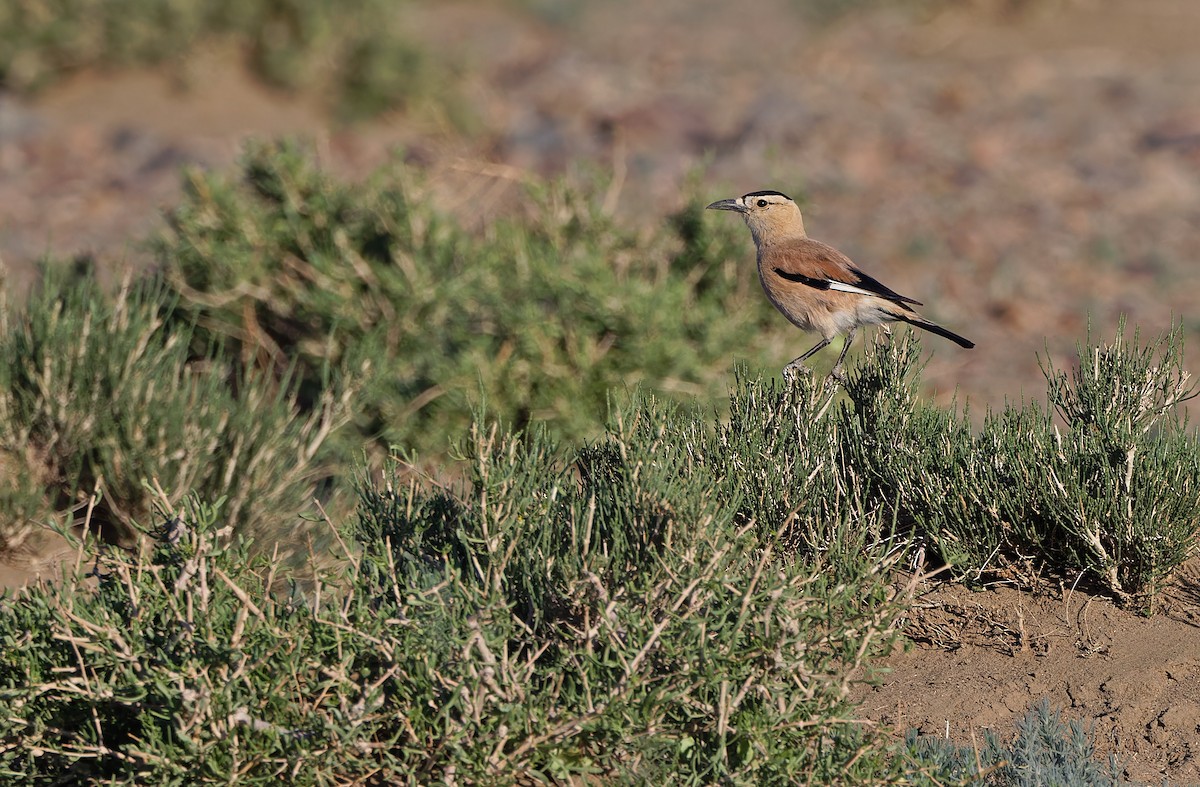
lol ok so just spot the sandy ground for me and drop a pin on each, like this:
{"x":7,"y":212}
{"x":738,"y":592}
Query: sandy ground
{"x":1022,"y":167}
{"x":980,"y":659}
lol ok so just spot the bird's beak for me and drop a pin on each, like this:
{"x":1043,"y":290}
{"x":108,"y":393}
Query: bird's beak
{"x":727,"y":204}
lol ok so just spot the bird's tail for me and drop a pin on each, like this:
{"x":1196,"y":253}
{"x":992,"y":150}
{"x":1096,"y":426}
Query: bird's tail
{"x":933,"y":327}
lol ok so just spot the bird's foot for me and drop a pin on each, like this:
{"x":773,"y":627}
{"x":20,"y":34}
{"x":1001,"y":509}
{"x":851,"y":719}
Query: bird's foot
{"x":838,"y":374}
{"x":795,"y":370}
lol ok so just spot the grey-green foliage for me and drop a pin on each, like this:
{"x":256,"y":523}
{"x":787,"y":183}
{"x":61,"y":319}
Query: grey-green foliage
{"x":1045,"y":751}
{"x":1113,"y":491}
{"x":831,"y":11}
{"x":563,"y":615}
{"x":672,"y":641}
{"x":99,"y":401}
{"x":779,"y":447}
{"x":918,"y":460}
{"x":678,"y":601}
{"x":358,"y":51}
{"x":1123,"y":480}
{"x":180,"y":668}
{"x":540,"y":317}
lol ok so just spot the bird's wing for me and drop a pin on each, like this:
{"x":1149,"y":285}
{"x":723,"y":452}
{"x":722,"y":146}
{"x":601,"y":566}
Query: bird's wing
{"x":823,"y":267}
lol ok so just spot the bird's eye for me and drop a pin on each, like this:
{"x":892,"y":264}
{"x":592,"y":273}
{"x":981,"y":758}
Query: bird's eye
{"x":762,"y":203}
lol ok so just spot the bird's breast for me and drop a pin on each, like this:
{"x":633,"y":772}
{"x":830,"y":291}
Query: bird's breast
{"x":798,"y":306}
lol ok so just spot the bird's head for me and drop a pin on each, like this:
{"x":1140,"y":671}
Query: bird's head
{"x":770,"y":215}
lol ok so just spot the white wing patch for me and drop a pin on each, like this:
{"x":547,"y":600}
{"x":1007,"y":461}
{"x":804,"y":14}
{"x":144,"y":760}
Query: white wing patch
{"x":841,"y":286}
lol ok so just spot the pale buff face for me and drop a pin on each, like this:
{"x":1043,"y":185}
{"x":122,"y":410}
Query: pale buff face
{"x":771,"y":216}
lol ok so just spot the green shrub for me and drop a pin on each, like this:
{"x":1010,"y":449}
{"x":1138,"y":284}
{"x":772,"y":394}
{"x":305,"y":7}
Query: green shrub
{"x":100,"y":402}
{"x":357,"y":52}
{"x":827,"y":12}
{"x":919,"y":461}
{"x":1114,"y":493}
{"x":1124,"y":478}
{"x":539,"y":318}
{"x":679,"y":600}
{"x":182,"y":669}
{"x":594,"y":614}
{"x":648,"y":635}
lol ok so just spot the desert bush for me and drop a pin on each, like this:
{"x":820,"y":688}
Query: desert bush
{"x":919,"y":461}
{"x":671,"y":639}
{"x":540,"y":317}
{"x":180,"y":668}
{"x":1123,"y":486}
{"x":100,"y":401}
{"x":564,"y":614}
{"x":681,"y":599}
{"x":1044,"y":751}
{"x":828,"y":12}
{"x":778,"y":456}
{"x":357,"y":52}
{"x":1114,"y":492}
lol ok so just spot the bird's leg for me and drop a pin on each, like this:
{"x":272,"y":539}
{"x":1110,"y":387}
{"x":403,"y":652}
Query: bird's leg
{"x":838,"y":372}
{"x":797,"y":364}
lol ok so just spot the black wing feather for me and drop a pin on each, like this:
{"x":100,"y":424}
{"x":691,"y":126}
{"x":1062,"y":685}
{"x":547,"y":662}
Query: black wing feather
{"x":809,"y":281}
{"x":868,"y":282}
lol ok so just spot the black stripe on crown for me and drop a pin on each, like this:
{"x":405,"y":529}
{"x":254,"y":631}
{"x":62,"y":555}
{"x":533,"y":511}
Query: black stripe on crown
{"x":766,"y":194}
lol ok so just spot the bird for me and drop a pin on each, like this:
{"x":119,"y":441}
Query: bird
{"x":814,"y":285}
